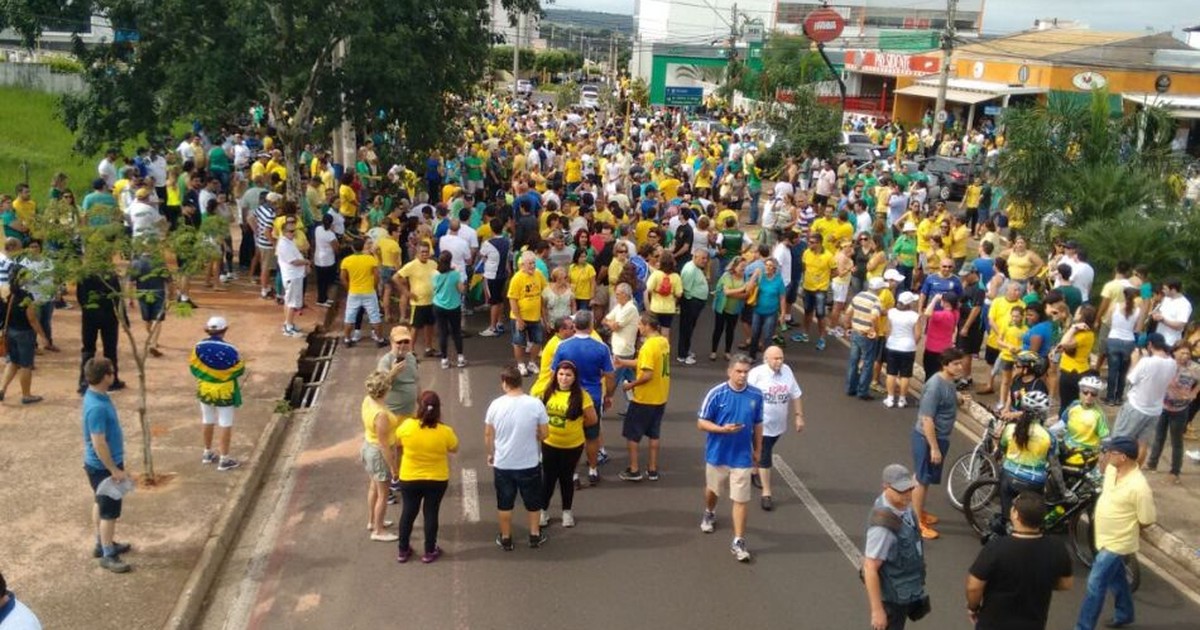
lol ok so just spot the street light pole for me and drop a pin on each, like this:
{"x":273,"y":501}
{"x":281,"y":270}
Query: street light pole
{"x":944,"y":79}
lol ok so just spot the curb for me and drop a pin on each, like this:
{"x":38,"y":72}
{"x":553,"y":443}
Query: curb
{"x":1181,"y":553}
{"x":225,"y":531}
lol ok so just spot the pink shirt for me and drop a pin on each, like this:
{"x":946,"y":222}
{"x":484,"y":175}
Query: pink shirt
{"x":939,"y":332}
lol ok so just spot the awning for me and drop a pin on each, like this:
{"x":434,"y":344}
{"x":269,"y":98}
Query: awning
{"x":1184,"y":107}
{"x":957,"y":96}
{"x":967,"y":91}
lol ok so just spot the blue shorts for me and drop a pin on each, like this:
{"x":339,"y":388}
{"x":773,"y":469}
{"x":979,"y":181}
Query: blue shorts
{"x":814,"y":302}
{"x":926,"y":472}
{"x":22,"y":346}
{"x":110,"y":508}
{"x":527,"y":482}
{"x":768,"y":447}
{"x":642,"y":420}
{"x":531,"y":334}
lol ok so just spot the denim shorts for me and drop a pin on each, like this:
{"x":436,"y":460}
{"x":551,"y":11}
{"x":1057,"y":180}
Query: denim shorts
{"x":22,"y":345}
{"x":369,"y":302}
{"x":928,"y":473}
{"x":531,"y":334}
{"x":527,"y":482}
{"x":814,"y":302}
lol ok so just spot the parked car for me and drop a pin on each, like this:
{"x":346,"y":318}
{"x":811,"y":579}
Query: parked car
{"x":706,"y":126}
{"x":524,"y":87}
{"x":855,"y":137}
{"x":589,"y":96}
{"x":948,"y":177}
{"x":860,"y":153}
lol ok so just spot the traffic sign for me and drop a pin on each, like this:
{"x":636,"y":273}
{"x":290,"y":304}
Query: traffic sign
{"x":824,"y":25}
{"x":941,"y":116}
{"x":683,"y":96}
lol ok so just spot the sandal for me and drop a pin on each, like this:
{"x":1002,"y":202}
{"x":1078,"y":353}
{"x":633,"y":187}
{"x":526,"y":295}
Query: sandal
{"x":53,"y":348}
{"x":29,"y":400}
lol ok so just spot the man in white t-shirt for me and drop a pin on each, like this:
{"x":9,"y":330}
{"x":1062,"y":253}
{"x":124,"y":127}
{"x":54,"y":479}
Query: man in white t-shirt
{"x":292,"y":268}
{"x":144,"y":219}
{"x":622,"y":320}
{"x":1082,"y":273}
{"x":1173,"y":312}
{"x":781,"y":398}
{"x":515,"y":425}
{"x":460,"y":250}
{"x":1148,"y":378}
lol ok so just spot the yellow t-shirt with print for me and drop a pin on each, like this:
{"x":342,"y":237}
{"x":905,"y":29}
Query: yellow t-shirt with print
{"x":655,"y":356}
{"x":818,"y":270}
{"x":361,"y":270}
{"x":565,"y":432}
{"x":527,"y":289}
{"x":425,"y":452}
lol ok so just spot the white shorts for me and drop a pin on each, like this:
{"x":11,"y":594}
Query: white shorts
{"x":369,"y":302}
{"x":733,"y":482}
{"x":220,"y":416}
{"x":841,"y":290}
{"x":293,"y":293}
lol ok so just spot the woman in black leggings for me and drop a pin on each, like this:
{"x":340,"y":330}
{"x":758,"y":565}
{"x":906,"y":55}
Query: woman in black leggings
{"x":425,"y":447}
{"x":733,"y":286}
{"x":448,"y":287}
{"x":570,"y":410}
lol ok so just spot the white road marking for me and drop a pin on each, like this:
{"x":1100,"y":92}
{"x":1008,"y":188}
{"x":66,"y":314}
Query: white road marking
{"x":818,"y":511}
{"x":470,"y":495}
{"x":464,"y":387}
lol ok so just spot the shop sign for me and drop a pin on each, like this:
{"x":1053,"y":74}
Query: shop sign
{"x":892,"y":64}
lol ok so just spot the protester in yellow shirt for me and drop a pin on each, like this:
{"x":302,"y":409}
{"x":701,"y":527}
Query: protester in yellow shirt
{"x":414,"y":284}
{"x":570,"y":409}
{"x":648,"y":397}
{"x":426,"y":444}
{"x":525,"y":300}
{"x":819,"y":264}
{"x":960,"y":238}
{"x":347,"y":198}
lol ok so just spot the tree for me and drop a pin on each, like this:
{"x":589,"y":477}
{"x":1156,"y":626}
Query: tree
{"x":788,"y":63}
{"x":1083,"y":161}
{"x":99,"y":248}
{"x":310,"y":62}
{"x":805,"y":125}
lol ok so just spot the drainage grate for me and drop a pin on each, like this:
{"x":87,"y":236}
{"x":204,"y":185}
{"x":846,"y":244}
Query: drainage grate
{"x":311,"y":369}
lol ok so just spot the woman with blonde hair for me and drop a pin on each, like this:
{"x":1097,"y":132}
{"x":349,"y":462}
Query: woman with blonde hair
{"x":378,"y":453}
{"x":425,"y":446}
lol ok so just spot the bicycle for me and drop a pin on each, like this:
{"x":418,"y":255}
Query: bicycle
{"x":1075,"y":516}
{"x":979,"y":463}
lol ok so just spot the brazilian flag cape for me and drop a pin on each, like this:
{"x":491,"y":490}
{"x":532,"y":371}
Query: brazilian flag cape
{"x":217,"y":367}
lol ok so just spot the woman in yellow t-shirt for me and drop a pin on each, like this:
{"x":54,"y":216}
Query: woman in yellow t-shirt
{"x":664,"y":287}
{"x":583,"y":279}
{"x":378,"y":452}
{"x":570,"y":409}
{"x":1076,"y":348}
{"x":347,"y":198}
{"x":425,"y":446}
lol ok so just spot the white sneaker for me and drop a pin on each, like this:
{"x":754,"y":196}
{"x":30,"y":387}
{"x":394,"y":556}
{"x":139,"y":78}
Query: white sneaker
{"x":445,"y":364}
{"x":543,"y":519}
{"x":533,"y":368}
{"x":1194,"y":455}
{"x":889,"y":402}
{"x":488,"y":332}
{"x":522,"y":369}
{"x":691,"y":360}
{"x":707,"y":522}
{"x":568,"y":519}
{"x":387,"y":537}
{"x":356,"y":336}
{"x":902,"y":402}
{"x":462,"y":361}
{"x":738,"y":548}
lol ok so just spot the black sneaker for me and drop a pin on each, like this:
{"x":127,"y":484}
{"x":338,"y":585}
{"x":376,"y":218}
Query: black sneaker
{"x":114,"y":564}
{"x":505,"y":543}
{"x":630,"y":475}
{"x":593,"y":478}
{"x":768,"y":504}
{"x":118,"y":549}
{"x":652,"y":475}
{"x":756,"y":480}
{"x":537,"y":540}
{"x":117,"y":386}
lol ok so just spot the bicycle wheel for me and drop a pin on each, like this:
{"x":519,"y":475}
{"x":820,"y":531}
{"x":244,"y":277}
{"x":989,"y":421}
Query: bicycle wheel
{"x":981,"y":504}
{"x":966,"y":469}
{"x":1082,"y":536}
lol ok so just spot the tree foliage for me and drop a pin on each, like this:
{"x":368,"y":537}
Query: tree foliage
{"x":1083,"y":160}
{"x":805,"y":125}
{"x":788,"y":63}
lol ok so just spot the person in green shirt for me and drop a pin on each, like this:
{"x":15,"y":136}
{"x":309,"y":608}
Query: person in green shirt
{"x":474,"y":167}
{"x":1071,"y":294}
{"x":732,"y":241}
{"x":219,"y":166}
{"x":904,"y":252}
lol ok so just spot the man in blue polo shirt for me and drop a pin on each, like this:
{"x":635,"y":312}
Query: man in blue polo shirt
{"x":593,"y":358}
{"x":942,"y":282}
{"x":103,"y":457}
{"x":732,"y":415}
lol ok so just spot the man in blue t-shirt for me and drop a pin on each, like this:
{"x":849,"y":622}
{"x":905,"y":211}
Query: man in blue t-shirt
{"x":594,"y":366}
{"x":732,"y":415}
{"x":940,"y":283}
{"x":103,"y":457}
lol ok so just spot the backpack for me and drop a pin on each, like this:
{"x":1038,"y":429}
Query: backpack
{"x":664,"y":285}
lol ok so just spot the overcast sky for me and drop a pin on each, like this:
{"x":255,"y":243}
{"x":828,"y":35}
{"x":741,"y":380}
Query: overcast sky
{"x":1011,"y":15}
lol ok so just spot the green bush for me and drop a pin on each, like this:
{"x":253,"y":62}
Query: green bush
{"x":64,"y":65}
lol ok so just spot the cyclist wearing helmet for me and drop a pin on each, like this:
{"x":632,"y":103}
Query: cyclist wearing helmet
{"x":1083,"y":424}
{"x":1028,"y":377}
{"x":1027,"y":449}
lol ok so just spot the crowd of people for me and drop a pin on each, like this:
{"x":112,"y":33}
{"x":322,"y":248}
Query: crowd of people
{"x":596,"y":244}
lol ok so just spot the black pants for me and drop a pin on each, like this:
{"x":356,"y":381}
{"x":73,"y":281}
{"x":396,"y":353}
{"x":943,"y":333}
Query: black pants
{"x":107,"y":329}
{"x":1068,"y":388}
{"x":414,"y":494}
{"x":726,"y":324}
{"x":246,"y":247}
{"x":326,"y":278}
{"x":449,"y":324}
{"x":558,"y":468}
{"x":689,"y":314}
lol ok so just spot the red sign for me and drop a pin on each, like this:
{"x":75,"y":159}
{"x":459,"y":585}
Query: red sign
{"x":823,"y":25}
{"x":892,"y":64}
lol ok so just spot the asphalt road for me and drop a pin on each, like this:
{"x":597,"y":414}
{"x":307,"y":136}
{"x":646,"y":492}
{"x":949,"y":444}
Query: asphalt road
{"x":637,"y":558}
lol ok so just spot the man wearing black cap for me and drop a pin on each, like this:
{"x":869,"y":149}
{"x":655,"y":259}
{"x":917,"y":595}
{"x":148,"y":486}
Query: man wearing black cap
{"x":1125,"y":507}
{"x":894,"y":559}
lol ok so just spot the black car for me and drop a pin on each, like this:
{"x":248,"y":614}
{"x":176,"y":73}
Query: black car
{"x":949,"y":176}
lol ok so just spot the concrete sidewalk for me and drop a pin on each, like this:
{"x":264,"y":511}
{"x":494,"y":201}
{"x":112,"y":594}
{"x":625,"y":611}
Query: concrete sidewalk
{"x":45,"y":502}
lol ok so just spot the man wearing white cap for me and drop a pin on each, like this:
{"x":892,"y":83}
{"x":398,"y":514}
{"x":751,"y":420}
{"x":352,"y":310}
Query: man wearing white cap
{"x":217,"y":366}
{"x":894,"y":558}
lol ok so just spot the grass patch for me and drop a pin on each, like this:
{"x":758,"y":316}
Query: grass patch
{"x":32,"y":136}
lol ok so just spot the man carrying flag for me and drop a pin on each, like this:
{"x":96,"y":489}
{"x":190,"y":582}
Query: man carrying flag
{"x":217,"y":367}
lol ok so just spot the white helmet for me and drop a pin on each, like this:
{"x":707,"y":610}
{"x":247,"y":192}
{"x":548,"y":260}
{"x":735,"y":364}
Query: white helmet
{"x":1093,"y":383}
{"x":1035,"y":400}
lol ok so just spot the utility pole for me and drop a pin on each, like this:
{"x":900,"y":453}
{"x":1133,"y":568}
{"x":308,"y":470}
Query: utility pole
{"x":733,"y":37}
{"x":517,"y":52}
{"x":943,"y":80}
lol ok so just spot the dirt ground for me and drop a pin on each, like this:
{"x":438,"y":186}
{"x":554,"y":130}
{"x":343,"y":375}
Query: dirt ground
{"x":45,"y":503}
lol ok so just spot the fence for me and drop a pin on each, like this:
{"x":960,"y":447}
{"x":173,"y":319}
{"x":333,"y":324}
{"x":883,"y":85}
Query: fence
{"x":36,"y":76}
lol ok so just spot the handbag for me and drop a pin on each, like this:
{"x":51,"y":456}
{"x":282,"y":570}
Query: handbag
{"x":12,"y":297}
{"x":752,"y":294}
